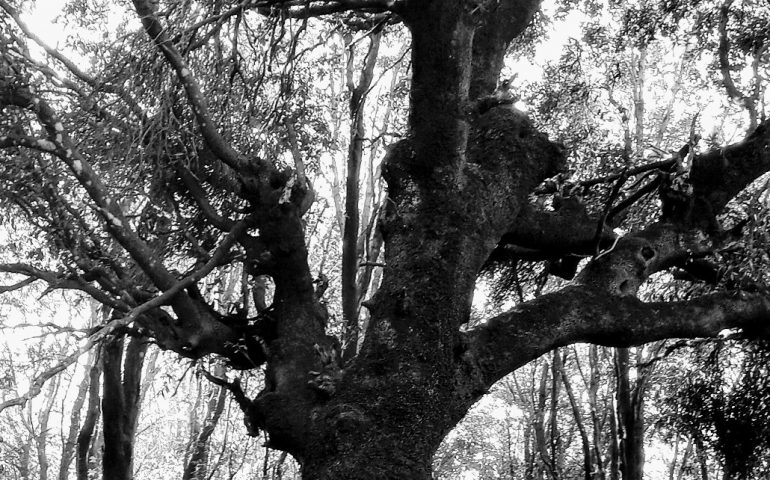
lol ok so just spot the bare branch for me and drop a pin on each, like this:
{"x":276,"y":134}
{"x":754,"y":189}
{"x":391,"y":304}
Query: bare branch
{"x":239,"y":395}
{"x":201,"y":198}
{"x":663,"y":165}
{"x":608,"y":206}
{"x":305,"y":9}
{"x":218,"y":21}
{"x":38,"y":382}
{"x":17,"y":286}
{"x":299,"y":167}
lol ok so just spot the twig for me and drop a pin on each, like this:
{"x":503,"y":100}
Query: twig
{"x":16,"y":286}
{"x":610,"y":200}
{"x":634,"y":197}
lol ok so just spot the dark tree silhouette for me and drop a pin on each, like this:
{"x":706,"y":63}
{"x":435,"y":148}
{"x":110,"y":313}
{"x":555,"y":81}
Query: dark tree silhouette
{"x":458,"y":185}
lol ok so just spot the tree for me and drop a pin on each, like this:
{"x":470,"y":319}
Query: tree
{"x":152,"y":169}
{"x":726,"y":415}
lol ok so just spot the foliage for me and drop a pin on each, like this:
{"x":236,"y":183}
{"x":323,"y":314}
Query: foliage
{"x":205,"y":166}
{"x":725,"y":403}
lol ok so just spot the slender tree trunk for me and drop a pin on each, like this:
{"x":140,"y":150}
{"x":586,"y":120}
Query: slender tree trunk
{"x":70,"y":442}
{"x":278,"y":467}
{"x":541,"y":441}
{"x":672,"y":467}
{"x":89,"y":422}
{"x":350,"y":253}
{"x":197,"y":465}
{"x":701,"y":455}
{"x":578,"y":415}
{"x":120,"y":405}
{"x":638,"y":66}
{"x":41,"y":440}
{"x":685,"y":459}
{"x":370,"y":241}
{"x":557,"y":457}
{"x":24,"y":460}
{"x":614,"y":447}
{"x":593,"y":402}
{"x":630,"y":419}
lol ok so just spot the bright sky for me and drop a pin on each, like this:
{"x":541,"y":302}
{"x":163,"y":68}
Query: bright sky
{"x":41,"y":21}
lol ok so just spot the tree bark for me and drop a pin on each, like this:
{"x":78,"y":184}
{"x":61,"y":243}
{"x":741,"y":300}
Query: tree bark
{"x":70,"y":442}
{"x":578,"y":416}
{"x":630,"y":409}
{"x":41,"y":439}
{"x":196,"y":467}
{"x":350,"y":235}
{"x":23,"y":466}
{"x":700,"y":452}
{"x":593,"y":388}
{"x":120,"y":405}
{"x":555,"y":440}
{"x":458,"y":182}
{"x":89,"y":422}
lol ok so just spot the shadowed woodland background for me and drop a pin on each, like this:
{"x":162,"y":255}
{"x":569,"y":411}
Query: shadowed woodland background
{"x":385,"y":239}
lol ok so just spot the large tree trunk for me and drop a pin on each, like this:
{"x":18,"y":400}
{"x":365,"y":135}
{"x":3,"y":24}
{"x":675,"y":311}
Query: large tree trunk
{"x":394,"y":459}
{"x":458,"y":182}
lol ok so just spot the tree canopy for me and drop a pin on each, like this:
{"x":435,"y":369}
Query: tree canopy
{"x":175,"y":163}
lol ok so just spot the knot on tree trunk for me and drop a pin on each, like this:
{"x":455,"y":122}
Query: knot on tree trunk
{"x":328,"y":377}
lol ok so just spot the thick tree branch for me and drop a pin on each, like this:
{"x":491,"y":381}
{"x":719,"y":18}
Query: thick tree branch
{"x":257,"y":177}
{"x":500,"y":22}
{"x":721,"y":174}
{"x":245,"y":403}
{"x":716,"y":176}
{"x":662,"y":165}
{"x":299,"y":167}
{"x":569,"y":230}
{"x":201,"y":199}
{"x":583,"y":314}
{"x":601,"y":307}
{"x":17,"y":285}
{"x":308,"y":9}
